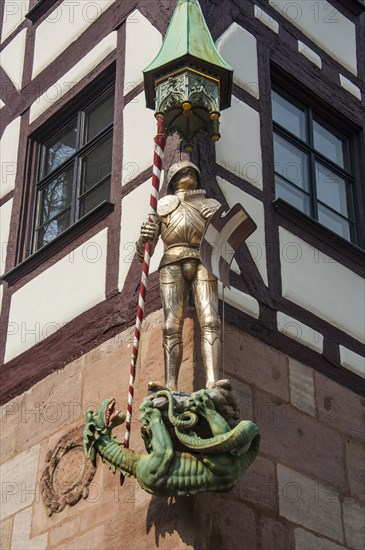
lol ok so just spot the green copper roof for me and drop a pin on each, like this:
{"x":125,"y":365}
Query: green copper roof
{"x":188,"y":34}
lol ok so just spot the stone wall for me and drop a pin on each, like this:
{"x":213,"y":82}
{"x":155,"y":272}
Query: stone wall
{"x":305,"y":491}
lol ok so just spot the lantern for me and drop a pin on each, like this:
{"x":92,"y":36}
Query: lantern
{"x":188,"y":82}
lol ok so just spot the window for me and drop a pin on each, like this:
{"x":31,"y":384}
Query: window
{"x":313,"y":168}
{"x":74,"y":168}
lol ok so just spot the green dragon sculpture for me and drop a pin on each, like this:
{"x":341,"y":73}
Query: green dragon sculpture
{"x":207,"y":464}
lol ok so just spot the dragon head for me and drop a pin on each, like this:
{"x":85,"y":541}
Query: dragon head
{"x":100,"y":425}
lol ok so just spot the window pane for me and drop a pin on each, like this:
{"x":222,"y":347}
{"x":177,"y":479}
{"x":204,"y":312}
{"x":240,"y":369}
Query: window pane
{"x":56,"y":196}
{"x":53,"y":228}
{"x":96,"y":165}
{"x":292,"y":195}
{"x":328,"y":144}
{"x":289,"y":116}
{"x":334,"y":222}
{"x":331,"y":189}
{"x":291,"y":162}
{"x":99,"y":117}
{"x":60,"y":148}
{"x":95,"y":197}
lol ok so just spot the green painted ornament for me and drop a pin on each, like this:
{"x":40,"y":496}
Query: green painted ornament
{"x":215,"y":463}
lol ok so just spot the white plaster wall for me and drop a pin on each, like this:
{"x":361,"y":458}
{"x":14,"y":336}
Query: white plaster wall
{"x":352,"y":361}
{"x":2,"y":104}
{"x":235,"y":267}
{"x":138,"y":149}
{"x":325,"y":25}
{"x":5,"y":217}
{"x":266,"y":19}
{"x":135,"y":209}
{"x":300,"y":332}
{"x":14,"y":12}
{"x":238,"y":48}
{"x":73,"y":285}
{"x":240,"y":300}
{"x":309,"y":54}
{"x":322,"y":285}
{"x":350,"y":87}
{"x":63,"y":26}
{"x":12,"y":59}
{"x":255,"y":208}
{"x":74,"y":75}
{"x":143,"y":42}
{"x":239,"y":149}
{"x":9,"y":156}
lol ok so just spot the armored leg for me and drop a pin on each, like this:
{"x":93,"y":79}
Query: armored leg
{"x":205,"y":287}
{"x":173,"y":288}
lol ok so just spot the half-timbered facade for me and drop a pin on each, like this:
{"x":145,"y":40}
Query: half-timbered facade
{"x":76,"y":163}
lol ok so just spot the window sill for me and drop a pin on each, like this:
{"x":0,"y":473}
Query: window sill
{"x":320,"y":237}
{"x":46,"y":252}
{"x":39,"y":9}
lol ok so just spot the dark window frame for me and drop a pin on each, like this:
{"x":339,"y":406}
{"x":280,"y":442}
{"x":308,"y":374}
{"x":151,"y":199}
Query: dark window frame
{"x":74,"y":162}
{"x":24,"y":254}
{"x":333,"y":121}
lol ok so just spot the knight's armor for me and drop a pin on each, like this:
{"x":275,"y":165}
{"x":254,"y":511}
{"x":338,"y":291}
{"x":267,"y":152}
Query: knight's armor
{"x":181,"y":226}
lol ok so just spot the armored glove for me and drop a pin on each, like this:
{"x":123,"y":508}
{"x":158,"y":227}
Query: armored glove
{"x":149,"y":232}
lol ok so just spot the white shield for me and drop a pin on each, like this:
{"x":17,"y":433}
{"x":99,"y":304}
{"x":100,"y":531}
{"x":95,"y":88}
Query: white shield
{"x":224,"y":233}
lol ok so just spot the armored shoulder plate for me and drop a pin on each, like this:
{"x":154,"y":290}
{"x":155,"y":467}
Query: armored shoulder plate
{"x":198,"y":201}
{"x":167,"y":205}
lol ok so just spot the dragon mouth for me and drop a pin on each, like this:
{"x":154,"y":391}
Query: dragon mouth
{"x":110,"y":413}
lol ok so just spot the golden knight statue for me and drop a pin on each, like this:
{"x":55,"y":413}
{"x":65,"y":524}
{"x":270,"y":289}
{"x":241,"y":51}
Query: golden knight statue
{"x":181,"y":221}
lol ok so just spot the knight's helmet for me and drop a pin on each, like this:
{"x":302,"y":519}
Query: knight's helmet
{"x":175,"y":169}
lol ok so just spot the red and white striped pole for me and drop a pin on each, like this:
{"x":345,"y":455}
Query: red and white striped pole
{"x":160,"y":142}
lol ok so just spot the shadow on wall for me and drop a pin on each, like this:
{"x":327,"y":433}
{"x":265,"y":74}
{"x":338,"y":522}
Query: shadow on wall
{"x":169,"y":515}
{"x":206,"y":521}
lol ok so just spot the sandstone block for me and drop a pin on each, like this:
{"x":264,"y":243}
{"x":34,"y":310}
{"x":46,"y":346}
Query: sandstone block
{"x":67,"y":530}
{"x":302,"y":387}
{"x":102,"y":502}
{"x":92,"y":540}
{"x":254,"y":362}
{"x":275,"y":535}
{"x":151,"y":362}
{"x":258,"y":484}
{"x":10,"y":415}
{"x":308,"y":541}
{"x":161,"y":523}
{"x":21,"y":533}
{"x":307,"y":502}
{"x":339,"y":407}
{"x":300,"y":441}
{"x":6,"y":530}
{"x":106,"y":376}
{"x":355,"y":455}
{"x":243,"y":394}
{"x":18,"y":482}
{"x":48,"y":406}
{"x":354,"y":522}
{"x":222,"y":522}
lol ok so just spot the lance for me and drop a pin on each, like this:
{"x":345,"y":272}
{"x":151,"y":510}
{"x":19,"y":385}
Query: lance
{"x":160,"y":143}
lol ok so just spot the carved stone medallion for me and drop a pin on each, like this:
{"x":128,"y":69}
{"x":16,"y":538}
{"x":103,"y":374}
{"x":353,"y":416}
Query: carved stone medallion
{"x":68,"y":473}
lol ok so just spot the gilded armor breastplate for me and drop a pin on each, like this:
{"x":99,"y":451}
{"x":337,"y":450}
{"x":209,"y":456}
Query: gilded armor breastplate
{"x":182,"y":225}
